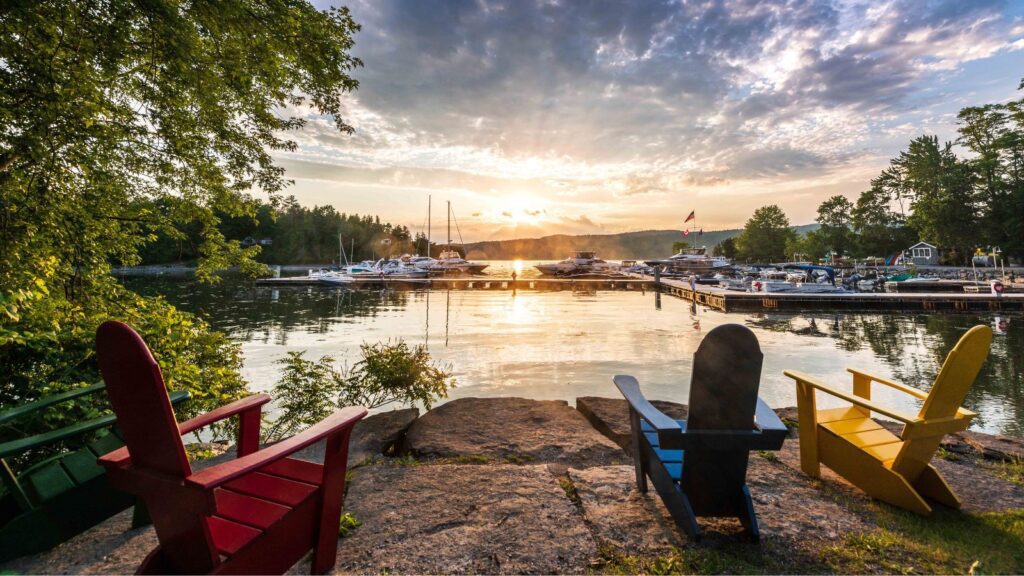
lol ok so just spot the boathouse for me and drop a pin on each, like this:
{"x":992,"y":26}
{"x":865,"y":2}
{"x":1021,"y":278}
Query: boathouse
{"x":923,"y":254}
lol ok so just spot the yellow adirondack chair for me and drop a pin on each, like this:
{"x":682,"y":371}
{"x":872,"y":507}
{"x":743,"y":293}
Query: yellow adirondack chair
{"x":891,"y":468}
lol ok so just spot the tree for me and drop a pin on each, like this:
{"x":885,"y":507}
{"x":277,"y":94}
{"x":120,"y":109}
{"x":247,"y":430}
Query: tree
{"x":726,"y":248}
{"x":835,"y":216}
{"x":679,"y":246}
{"x":878,"y":231}
{"x":123,"y":120}
{"x":942,"y":199}
{"x":765,"y":235}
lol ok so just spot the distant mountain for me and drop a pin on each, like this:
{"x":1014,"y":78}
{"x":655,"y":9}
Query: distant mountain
{"x":625,"y":246}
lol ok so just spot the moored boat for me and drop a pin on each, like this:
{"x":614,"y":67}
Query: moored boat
{"x":580,"y":263}
{"x":691,"y":260}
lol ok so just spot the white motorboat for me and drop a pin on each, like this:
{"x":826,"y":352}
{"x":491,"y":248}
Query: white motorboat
{"x":396,"y":269}
{"x":336,"y":279}
{"x":691,"y":260}
{"x":580,"y":263}
{"x":450,"y":261}
{"x":780,"y":287}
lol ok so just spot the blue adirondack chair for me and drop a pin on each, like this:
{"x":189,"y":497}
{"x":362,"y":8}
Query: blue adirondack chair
{"x":698,"y":466}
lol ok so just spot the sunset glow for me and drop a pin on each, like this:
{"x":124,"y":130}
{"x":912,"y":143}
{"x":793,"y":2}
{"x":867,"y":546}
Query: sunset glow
{"x":538,"y":118}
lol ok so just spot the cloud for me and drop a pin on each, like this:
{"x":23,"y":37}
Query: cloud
{"x":599,"y":106}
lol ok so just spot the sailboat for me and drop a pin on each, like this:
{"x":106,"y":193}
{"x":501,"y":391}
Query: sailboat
{"x":449,"y":260}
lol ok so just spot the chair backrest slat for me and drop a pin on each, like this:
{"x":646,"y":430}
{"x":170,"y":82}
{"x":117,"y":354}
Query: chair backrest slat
{"x":139,"y":398}
{"x":723,"y":396}
{"x":954,"y":380}
{"x":726,"y":377}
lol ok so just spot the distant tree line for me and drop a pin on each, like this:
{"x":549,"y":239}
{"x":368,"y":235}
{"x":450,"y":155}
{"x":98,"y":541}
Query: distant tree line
{"x":294,"y":234}
{"x":927,"y":194}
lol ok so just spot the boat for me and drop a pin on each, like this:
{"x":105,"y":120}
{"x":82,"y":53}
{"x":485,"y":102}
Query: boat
{"x":451,"y":261}
{"x":336,"y":279}
{"x":395,"y":269}
{"x":580,"y":263}
{"x":691,"y":260}
{"x":800,"y":279}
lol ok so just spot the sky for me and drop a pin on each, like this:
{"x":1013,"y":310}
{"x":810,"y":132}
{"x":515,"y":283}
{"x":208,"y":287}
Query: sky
{"x":536,"y":117}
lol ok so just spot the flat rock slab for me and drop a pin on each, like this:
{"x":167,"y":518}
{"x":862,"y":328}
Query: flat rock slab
{"x":610,"y":416}
{"x":371,"y":437}
{"x":445,"y":518}
{"x":794,"y":516}
{"x":514,"y":429}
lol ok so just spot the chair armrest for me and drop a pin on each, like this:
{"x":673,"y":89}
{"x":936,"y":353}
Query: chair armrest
{"x":19,"y":411}
{"x":226,"y":411}
{"x":214,"y":476}
{"x":894,"y":385}
{"x":767,"y":421}
{"x":20,"y":445}
{"x":856,"y":400}
{"x":722,"y":440}
{"x":630,"y":389}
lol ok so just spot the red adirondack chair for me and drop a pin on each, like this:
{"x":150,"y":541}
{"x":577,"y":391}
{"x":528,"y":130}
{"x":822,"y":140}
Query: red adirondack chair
{"x":257,"y":514}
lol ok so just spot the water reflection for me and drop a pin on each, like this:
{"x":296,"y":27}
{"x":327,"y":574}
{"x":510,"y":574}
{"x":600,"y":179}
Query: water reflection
{"x":561,"y":345}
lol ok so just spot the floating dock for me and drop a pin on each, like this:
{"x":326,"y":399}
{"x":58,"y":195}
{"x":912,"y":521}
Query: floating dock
{"x":735,"y":301}
{"x":479,"y":283}
{"x":710,"y":296}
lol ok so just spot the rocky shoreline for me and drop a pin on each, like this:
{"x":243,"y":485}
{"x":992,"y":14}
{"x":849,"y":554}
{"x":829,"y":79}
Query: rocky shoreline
{"x":510,"y":485}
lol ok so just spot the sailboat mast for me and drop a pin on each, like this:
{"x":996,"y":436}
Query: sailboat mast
{"x":429,"y":199}
{"x":449,"y":225}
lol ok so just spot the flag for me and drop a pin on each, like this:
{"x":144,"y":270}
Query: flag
{"x":701,"y":233}
{"x":690,"y":217}
{"x":686,"y":233}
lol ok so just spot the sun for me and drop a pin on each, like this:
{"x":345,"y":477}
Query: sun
{"x":523,"y":210}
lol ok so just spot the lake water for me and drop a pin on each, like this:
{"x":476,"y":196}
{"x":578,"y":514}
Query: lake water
{"x":565,"y":344}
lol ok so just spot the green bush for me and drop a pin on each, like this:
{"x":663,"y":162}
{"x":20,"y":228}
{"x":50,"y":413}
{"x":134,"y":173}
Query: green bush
{"x":309,"y":391}
{"x":47,"y":346}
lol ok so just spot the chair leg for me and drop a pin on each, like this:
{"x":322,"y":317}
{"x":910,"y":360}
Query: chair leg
{"x":934,"y":486}
{"x":747,"y":516}
{"x":140,"y":515}
{"x":808,"y":417}
{"x":639,"y":463}
{"x":325,"y":550}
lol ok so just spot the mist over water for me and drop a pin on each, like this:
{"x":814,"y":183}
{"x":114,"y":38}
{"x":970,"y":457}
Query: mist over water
{"x":566,"y":344}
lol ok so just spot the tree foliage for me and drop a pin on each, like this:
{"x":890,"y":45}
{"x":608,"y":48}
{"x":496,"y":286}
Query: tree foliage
{"x":123,"y":120}
{"x":297,"y":235}
{"x":765,"y":235}
{"x":387,"y":372}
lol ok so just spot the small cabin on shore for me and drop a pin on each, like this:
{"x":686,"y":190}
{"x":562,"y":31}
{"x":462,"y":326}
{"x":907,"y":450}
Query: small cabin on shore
{"x":922,"y":254}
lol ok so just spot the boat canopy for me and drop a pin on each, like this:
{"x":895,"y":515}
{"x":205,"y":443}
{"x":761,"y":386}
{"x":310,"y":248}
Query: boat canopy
{"x":828,"y":270}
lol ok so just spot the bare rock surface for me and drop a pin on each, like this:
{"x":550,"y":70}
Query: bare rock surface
{"x":610,"y":416}
{"x":443,"y":519}
{"x":620,"y":516}
{"x":371,"y":437}
{"x":635,"y":523}
{"x":511,"y":428}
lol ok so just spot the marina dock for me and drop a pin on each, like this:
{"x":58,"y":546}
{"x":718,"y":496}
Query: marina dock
{"x":482,"y":283}
{"x":713,"y":297}
{"x":735,"y":301}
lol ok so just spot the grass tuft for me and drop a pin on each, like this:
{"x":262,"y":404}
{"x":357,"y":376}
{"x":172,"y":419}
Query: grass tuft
{"x":347,"y":524}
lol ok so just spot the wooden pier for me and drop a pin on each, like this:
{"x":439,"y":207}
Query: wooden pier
{"x":734,"y":301}
{"x":479,"y":283}
{"x":711,"y":296}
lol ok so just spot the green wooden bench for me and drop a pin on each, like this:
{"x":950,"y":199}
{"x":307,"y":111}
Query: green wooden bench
{"x":64,"y":494}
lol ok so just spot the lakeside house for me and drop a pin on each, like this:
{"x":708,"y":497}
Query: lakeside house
{"x":922,"y":254}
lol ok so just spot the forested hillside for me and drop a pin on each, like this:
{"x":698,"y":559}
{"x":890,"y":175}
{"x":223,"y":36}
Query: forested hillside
{"x":628,"y":245}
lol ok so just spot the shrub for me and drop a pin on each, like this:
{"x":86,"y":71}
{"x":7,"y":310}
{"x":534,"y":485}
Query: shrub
{"x":387,"y":372}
